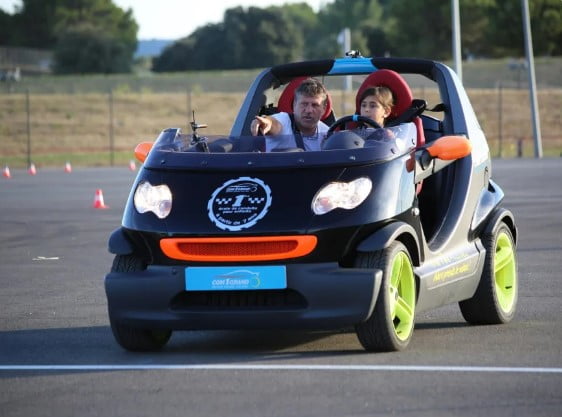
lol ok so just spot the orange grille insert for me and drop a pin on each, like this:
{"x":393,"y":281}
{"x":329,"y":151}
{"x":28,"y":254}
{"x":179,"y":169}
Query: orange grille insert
{"x":229,"y":249}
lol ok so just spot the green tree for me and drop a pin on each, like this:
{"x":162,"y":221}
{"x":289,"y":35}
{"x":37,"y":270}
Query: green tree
{"x":506,"y":32}
{"x":174,"y":57}
{"x":359,"y":16}
{"x":7,"y":30}
{"x":94,"y":36}
{"x":99,"y":26}
{"x":306,"y":22}
{"x":84,"y":49}
{"x":491,"y":28}
{"x":195,"y":52}
{"x":378,"y":43}
{"x":39,"y":15}
{"x":420,"y":29}
{"x":100,"y":14}
{"x":475,"y":19}
{"x":259,"y":37}
{"x":252,"y":38}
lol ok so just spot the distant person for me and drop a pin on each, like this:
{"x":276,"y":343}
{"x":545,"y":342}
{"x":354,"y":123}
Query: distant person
{"x":301,"y":129}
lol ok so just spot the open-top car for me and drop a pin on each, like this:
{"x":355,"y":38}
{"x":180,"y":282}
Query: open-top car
{"x":365,"y":233}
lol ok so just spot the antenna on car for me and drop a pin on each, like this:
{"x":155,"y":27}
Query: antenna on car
{"x":200,"y":142}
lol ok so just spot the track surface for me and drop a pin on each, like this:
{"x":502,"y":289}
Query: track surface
{"x":58,"y":356}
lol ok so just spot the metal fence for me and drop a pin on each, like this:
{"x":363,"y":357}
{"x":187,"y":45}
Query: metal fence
{"x":25,"y":60}
{"x":103,"y":128}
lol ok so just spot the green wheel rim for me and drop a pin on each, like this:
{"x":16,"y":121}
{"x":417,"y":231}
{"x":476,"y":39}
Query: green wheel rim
{"x":505,"y":275}
{"x":402,"y":296}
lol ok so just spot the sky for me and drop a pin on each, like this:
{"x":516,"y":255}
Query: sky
{"x":175,"y":19}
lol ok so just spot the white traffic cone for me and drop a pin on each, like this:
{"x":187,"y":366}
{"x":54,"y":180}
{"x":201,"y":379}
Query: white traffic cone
{"x":32,"y":170}
{"x":98,"y":200}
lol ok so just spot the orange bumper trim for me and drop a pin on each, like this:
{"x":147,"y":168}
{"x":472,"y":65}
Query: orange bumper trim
{"x":233,"y":249}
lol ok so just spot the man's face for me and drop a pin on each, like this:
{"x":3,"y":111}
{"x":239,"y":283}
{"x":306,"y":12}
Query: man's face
{"x":308,"y":111}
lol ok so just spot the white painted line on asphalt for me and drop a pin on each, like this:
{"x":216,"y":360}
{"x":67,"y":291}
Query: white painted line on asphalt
{"x":258,"y":367}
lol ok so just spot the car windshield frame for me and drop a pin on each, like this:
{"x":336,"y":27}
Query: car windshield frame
{"x":176,"y":149}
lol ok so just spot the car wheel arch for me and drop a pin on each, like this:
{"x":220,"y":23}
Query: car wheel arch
{"x":119,"y":243}
{"x":499,"y":216}
{"x":396,"y":231}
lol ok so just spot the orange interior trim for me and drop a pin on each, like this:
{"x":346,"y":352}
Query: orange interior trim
{"x":232,"y":249}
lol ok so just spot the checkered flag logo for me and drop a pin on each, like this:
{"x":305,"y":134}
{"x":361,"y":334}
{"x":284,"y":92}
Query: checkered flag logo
{"x":239,"y":203}
{"x":223,"y":201}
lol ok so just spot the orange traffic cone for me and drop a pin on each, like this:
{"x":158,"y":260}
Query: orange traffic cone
{"x":67,"y":167}
{"x":98,"y":200}
{"x":132,"y":165}
{"x":6,"y":172}
{"x":32,"y":170}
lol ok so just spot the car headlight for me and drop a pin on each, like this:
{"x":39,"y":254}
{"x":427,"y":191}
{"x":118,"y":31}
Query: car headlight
{"x":154,"y":198}
{"x":346,"y":195}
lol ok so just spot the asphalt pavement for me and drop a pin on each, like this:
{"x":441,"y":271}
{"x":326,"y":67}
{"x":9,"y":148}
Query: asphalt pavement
{"x":58,"y":356}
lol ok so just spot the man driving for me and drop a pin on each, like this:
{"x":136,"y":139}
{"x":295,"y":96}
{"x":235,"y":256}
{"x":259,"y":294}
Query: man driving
{"x":300,"y":129}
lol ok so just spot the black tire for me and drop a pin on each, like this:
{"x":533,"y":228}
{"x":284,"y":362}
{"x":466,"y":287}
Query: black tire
{"x":495,"y":300}
{"x":127,"y":263}
{"x":139,"y":340}
{"x":391,"y":325}
{"x":133,"y":338}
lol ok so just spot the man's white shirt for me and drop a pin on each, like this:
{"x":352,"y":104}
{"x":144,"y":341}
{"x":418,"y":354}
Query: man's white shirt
{"x":286,"y":138}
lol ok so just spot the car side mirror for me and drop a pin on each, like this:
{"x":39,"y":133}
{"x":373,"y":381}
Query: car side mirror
{"x":449,"y":148}
{"x":436,"y":155}
{"x":142,"y":150}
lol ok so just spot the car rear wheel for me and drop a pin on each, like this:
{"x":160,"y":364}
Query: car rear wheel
{"x":134,"y":338}
{"x":495,"y":300}
{"x":390,"y":326}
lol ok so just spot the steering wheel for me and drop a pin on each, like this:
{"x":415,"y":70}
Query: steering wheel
{"x":342,"y":121}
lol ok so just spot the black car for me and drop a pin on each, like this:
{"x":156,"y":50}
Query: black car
{"x":367,"y":232}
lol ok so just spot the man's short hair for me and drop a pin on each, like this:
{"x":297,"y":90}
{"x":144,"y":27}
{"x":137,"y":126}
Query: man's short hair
{"x":311,"y":87}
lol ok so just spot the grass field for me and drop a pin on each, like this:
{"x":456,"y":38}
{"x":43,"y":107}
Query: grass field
{"x":82,"y":127}
{"x":476,"y":74}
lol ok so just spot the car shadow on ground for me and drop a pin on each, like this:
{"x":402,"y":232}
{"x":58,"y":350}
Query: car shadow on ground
{"x":96,"y":344}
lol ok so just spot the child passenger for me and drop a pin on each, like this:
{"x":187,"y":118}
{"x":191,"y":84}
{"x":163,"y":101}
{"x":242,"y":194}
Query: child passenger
{"x":376,"y":104}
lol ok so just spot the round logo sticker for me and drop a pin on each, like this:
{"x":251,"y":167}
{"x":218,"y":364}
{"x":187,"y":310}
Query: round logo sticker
{"x":239,"y":203}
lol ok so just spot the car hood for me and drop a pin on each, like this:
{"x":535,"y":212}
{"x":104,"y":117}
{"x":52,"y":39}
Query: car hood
{"x":267,"y":201}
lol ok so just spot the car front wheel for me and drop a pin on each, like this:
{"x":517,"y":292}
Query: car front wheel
{"x":134,"y":338}
{"x":390,"y":326}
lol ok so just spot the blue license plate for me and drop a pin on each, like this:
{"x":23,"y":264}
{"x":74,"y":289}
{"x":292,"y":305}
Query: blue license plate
{"x":221,"y":278}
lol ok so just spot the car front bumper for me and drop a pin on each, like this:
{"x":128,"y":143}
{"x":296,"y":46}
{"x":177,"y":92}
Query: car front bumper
{"x":318,"y":296}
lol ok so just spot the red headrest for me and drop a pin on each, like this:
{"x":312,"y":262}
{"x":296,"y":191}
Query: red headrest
{"x":394,"y":81}
{"x":287,"y":98}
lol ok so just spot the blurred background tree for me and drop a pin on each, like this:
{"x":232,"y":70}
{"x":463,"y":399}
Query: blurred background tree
{"x":251,"y":38}
{"x":97,"y":36}
{"x":87,"y":36}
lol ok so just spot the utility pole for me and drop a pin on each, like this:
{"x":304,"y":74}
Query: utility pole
{"x":457,"y":55}
{"x":344,"y":39}
{"x":532,"y":82}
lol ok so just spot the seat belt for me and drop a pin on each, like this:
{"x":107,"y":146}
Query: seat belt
{"x":298,"y":136}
